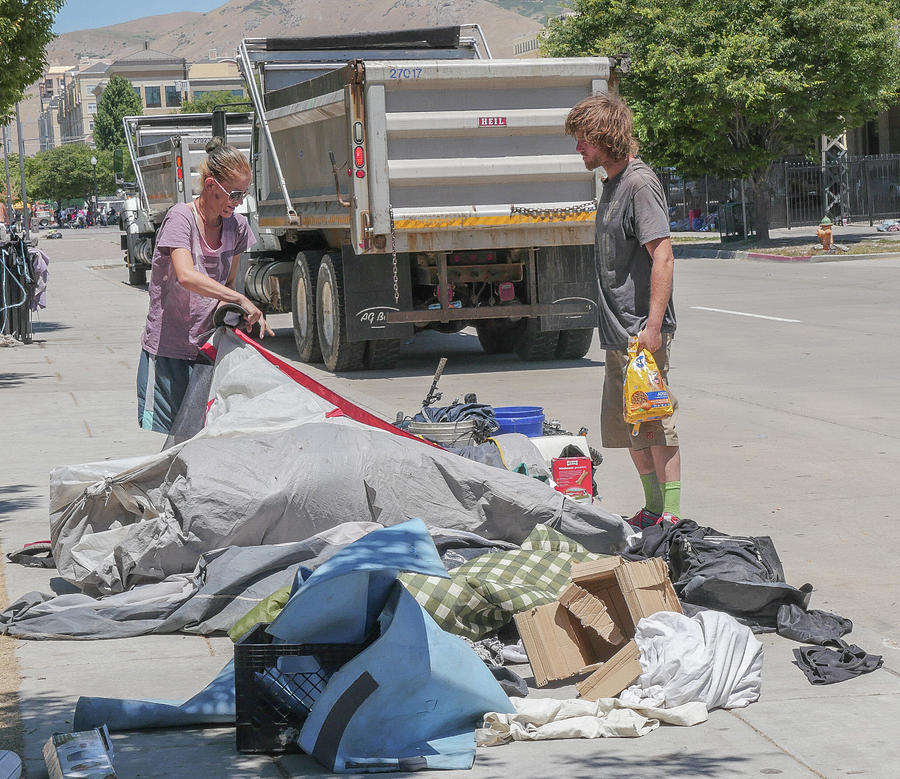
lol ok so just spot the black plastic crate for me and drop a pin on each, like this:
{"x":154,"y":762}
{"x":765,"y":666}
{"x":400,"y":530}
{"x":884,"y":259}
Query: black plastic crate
{"x":272,"y":696}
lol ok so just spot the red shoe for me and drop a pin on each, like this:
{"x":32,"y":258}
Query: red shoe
{"x":643,"y":518}
{"x":667,"y":516}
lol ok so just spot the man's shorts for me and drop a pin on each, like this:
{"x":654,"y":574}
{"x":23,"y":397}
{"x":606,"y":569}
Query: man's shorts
{"x":161,"y":385}
{"x":615,"y":433}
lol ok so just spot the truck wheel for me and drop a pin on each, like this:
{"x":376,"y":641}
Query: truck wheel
{"x":338,"y":353}
{"x":532,"y":344}
{"x":303,"y":306}
{"x":574,"y":344}
{"x":497,"y":336}
{"x":383,"y":354}
{"x":137,"y":277}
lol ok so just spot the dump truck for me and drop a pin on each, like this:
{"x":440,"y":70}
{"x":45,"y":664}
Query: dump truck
{"x":166,"y":151}
{"x":406,"y":180}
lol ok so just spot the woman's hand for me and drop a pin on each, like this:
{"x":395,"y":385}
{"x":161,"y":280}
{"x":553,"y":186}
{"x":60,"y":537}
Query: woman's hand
{"x":254,"y":315}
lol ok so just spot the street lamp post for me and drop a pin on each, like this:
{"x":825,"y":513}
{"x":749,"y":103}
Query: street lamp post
{"x":94,"y":200}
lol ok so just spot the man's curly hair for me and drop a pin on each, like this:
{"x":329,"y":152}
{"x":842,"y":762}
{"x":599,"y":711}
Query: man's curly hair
{"x":606,"y":122}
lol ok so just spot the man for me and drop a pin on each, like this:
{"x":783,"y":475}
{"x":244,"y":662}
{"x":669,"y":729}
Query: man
{"x":635,"y":267}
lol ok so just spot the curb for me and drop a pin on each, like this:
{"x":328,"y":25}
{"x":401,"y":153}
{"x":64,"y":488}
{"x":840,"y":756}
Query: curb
{"x":683,"y":252}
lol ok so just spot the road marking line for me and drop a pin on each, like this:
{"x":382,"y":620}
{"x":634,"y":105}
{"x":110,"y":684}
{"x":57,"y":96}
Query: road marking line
{"x":743,"y":313}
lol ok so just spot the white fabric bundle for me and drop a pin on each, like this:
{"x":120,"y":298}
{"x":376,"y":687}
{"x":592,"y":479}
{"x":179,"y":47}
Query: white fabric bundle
{"x":709,"y":658}
{"x":541,"y":719}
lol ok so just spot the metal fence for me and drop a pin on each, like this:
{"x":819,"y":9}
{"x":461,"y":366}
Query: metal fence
{"x":798,"y":194}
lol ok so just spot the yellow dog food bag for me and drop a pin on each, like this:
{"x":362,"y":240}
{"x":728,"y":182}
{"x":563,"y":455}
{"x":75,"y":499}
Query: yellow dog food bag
{"x":644,"y":395}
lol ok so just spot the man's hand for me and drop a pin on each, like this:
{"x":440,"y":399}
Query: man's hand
{"x":649,"y":339}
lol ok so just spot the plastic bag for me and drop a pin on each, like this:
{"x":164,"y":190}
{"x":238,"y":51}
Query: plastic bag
{"x":644,"y":394}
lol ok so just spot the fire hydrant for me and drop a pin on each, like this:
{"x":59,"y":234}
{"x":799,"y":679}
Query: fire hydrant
{"x":824,"y":233}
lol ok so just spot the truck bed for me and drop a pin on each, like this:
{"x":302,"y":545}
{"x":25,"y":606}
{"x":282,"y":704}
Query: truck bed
{"x":457,"y":154}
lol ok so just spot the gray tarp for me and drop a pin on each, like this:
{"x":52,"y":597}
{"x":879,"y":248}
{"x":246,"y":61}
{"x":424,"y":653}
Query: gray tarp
{"x":279,"y":460}
{"x":223,"y":587}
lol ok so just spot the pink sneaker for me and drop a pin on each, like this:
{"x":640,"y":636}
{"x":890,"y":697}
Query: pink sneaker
{"x":667,"y":516}
{"x":643,"y":518}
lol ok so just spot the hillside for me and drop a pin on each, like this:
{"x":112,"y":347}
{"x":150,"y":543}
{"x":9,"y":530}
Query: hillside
{"x":192,"y":35}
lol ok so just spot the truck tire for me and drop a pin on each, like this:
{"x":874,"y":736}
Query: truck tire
{"x":338,"y":353}
{"x":574,"y":344}
{"x":137,"y":277}
{"x":303,"y":306}
{"x":383,"y":354}
{"x":532,"y":344}
{"x":497,"y":336}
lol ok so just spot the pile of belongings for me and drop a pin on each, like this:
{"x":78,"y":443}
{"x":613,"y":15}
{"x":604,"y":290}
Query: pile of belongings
{"x":743,"y":576}
{"x":346,"y":531}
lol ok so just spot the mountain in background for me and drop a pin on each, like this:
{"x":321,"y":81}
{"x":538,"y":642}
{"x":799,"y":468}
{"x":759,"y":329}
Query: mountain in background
{"x":194,"y":35}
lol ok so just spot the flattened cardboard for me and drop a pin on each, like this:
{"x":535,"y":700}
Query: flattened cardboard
{"x":617,"y":673}
{"x":592,"y":612}
{"x":560,"y":645}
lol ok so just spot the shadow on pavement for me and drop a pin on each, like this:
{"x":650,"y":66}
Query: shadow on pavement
{"x":11,"y":501}
{"x":8,"y":380}
{"x":420,"y":358}
{"x":48,"y":327}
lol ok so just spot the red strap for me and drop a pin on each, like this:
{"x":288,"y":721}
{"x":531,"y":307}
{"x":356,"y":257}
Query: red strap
{"x":349,"y":409}
{"x":209,"y":350}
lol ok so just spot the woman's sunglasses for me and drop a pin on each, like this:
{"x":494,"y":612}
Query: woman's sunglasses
{"x":236,"y":195}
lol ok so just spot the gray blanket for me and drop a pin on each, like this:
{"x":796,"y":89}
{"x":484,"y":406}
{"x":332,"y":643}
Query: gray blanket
{"x":278,"y":462}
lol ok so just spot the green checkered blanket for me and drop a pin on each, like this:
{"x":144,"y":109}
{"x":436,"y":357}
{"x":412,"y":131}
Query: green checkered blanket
{"x":483,"y":594}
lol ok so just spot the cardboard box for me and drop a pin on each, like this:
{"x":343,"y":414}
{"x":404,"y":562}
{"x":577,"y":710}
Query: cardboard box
{"x":573,"y":477}
{"x":617,"y":673}
{"x":85,"y":754}
{"x":587,"y":630}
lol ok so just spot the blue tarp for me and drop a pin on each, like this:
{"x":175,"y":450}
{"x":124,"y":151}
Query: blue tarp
{"x":411,"y":700}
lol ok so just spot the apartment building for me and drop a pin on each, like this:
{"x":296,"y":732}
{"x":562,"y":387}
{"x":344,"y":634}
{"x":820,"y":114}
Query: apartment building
{"x":70,"y":95}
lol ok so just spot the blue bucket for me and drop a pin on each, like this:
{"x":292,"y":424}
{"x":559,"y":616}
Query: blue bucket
{"x":528,"y":420}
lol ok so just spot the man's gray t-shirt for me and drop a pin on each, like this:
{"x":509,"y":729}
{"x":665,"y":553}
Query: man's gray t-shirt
{"x":631,"y":212}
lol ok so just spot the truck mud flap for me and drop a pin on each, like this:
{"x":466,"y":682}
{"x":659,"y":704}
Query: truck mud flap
{"x":369,"y":296}
{"x":567,"y":274}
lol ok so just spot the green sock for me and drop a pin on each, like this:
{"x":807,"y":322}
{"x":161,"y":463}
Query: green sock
{"x":671,"y":495}
{"x":653,"y":498}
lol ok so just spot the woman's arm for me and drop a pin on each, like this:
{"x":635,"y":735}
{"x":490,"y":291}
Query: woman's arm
{"x":201,"y":284}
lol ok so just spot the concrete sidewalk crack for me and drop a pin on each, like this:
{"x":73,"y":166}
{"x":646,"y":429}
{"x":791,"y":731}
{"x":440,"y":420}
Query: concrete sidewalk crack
{"x":776,"y":744}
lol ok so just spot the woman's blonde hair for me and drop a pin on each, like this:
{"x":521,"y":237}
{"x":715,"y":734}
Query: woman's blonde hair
{"x":606,"y":122}
{"x":223,"y":162}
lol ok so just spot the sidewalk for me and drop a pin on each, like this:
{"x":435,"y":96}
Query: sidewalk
{"x":69,"y":398}
{"x":708,"y":245}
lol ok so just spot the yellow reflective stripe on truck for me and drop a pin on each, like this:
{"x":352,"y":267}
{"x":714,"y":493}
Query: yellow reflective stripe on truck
{"x":489,"y":221}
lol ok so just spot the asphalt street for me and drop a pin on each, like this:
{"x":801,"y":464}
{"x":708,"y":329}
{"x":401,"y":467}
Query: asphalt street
{"x":787,"y":377}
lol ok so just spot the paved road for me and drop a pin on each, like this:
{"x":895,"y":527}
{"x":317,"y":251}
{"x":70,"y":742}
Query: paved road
{"x":787,"y":376}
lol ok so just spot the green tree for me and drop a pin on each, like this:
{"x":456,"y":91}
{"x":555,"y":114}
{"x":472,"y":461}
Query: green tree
{"x":727,"y":87}
{"x":65,"y":172}
{"x":118,"y":100}
{"x":25,"y":31}
{"x":205,"y":103}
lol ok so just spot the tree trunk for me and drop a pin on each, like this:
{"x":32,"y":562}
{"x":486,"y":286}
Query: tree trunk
{"x":761,"y":190}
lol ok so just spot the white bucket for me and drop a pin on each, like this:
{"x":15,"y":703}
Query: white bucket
{"x":460,"y":433}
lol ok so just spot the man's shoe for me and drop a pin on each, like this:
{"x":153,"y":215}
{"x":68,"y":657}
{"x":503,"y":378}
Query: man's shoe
{"x":643,"y":518}
{"x":668,"y":516}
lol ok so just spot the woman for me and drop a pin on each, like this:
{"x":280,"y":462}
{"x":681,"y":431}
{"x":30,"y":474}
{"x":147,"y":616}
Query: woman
{"x":195,"y":262}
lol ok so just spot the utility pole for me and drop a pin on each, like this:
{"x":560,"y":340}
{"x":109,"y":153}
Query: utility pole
{"x":26,"y":214}
{"x":94,"y":200}
{"x":9,"y":201}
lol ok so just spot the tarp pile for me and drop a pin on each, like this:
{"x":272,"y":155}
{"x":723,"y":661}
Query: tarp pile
{"x":293,"y":506}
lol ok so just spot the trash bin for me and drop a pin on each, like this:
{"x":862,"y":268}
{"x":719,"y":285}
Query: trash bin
{"x":731,"y":221}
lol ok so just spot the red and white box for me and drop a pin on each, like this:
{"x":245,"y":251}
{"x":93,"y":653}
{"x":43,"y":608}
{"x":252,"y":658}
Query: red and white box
{"x":573,"y":477}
